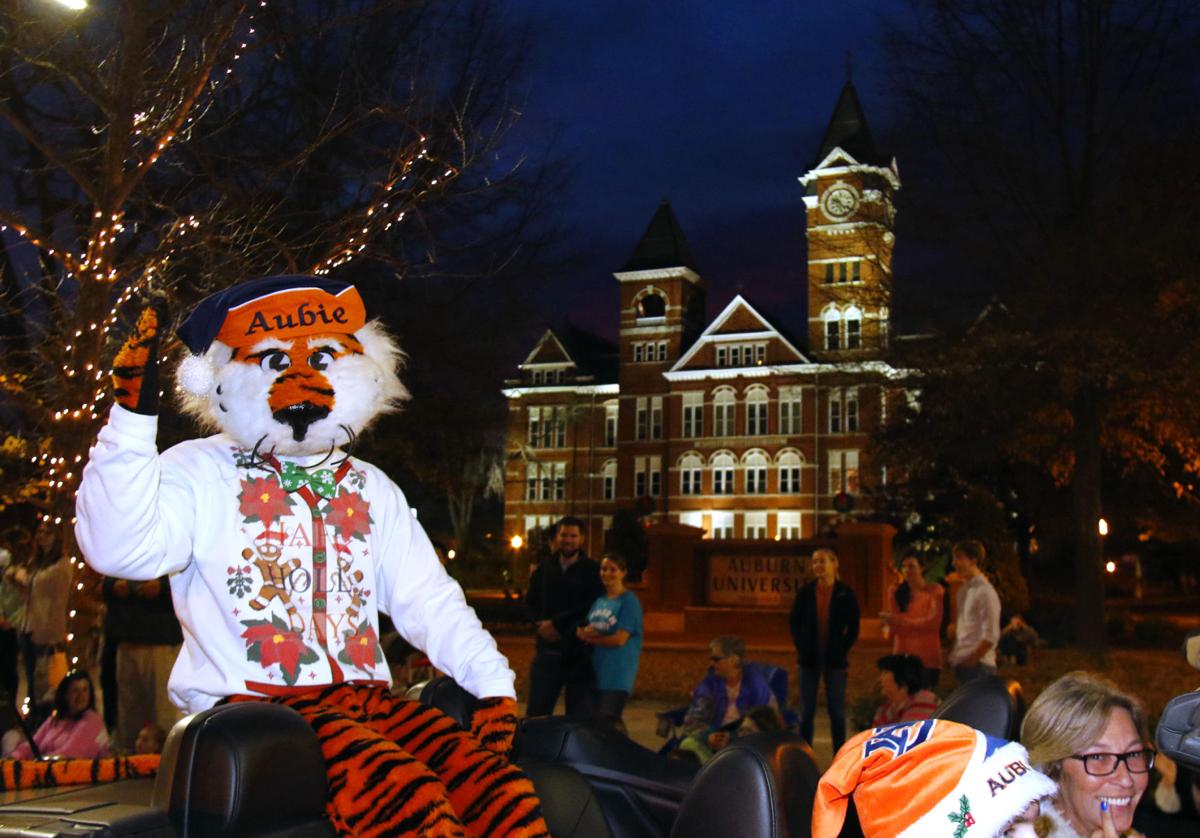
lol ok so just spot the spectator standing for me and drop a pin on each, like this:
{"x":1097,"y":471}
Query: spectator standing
{"x":46,"y":584}
{"x":916,"y":620}
{"x":824,"y":624}
{"x":76,"y":729}
{"x":561,"y":590}
{"x":976,"y":628}
{"x":614,"y":630}
{"x":140,"y":622}
{"x":14,"y":550}
{"x":904,"y":698}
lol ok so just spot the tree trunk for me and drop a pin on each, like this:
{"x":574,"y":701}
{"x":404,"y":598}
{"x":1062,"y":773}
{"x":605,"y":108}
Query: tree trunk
{"x":1086,"y":511}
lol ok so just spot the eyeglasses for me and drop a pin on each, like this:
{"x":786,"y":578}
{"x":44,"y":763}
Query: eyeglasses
{"x":1101,"y":765}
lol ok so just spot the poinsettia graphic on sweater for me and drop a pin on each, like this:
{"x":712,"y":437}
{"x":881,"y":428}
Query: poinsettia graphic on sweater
{"x":308,"y":532}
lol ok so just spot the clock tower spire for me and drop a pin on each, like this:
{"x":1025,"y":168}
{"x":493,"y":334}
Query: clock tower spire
{"x":849,"y":201}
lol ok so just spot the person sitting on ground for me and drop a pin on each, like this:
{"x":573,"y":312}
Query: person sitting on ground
{"x":705,"y":744}
{"x":150,"y":739}
{"x":1017,"y":641}
{"x":730,"y":686}
{"x":1092,"y":739}
{"x":904,"y":700}
{"x":75,"y":729}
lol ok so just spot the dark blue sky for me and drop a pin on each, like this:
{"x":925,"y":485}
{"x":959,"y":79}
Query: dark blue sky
{"x":720,"y":107}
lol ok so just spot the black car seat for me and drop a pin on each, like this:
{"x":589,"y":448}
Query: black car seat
{"x":993,"y":704}
{"x":249,"y":769}
{"x":761,"y":786}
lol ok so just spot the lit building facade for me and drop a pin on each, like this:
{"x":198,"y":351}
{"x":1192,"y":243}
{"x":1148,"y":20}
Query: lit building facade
{"x":729,"y":425}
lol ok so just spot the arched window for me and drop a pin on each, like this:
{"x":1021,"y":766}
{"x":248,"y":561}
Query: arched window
{"x":757,"y":399}
{"x":722,"y":469}
{"x":652,"y":304}
{"x":690,"y":468}
{"x":754,"y":463}
{"x":609,"y":476}
{"x":833,"y":322}
{"x":724,"y":408}
{"x":790,"y":464}
{"x":852,"y":321}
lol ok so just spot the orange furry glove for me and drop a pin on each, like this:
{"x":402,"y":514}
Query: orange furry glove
{"x":494,"y":724}
{"x":135,"y":369}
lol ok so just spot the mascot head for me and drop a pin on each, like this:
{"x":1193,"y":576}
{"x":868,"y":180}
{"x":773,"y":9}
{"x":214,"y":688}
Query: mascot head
{"x":288,"y":365}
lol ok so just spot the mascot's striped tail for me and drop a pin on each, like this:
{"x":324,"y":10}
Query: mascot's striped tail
{"x":135,"y":369}
{"x":33,"y":773}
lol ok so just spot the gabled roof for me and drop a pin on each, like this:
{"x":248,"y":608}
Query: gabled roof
{"x":848,"y":130}
{"x":739,"y":320}
{"x":662,"y":245}
{"x":593,"y":356}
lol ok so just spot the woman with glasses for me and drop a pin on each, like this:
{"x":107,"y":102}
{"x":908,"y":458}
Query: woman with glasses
{"x":1092,"y":739}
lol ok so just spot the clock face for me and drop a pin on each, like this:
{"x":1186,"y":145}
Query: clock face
{"x":839,"y":201}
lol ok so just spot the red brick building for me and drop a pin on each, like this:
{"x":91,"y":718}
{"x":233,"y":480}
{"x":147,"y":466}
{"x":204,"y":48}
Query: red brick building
{"x":729,"y":425}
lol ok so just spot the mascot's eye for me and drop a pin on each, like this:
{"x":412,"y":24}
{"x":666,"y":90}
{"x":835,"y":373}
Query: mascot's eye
{"x":321,"y":359}
{"x":275,"y":362}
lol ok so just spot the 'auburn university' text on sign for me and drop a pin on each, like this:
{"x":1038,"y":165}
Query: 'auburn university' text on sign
{"x":756,"y":580}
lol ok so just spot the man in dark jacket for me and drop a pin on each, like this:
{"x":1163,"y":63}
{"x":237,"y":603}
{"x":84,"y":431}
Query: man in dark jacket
{"x":824,"y":623}
{"x":561,"y":591}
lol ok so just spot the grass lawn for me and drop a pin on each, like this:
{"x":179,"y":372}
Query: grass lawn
{"x":668,"y":675}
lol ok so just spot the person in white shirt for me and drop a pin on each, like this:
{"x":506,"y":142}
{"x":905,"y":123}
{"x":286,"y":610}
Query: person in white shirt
{"x":976,"y":629}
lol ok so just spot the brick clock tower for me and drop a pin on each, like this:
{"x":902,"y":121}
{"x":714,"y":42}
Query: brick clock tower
{"x":848,"y":198}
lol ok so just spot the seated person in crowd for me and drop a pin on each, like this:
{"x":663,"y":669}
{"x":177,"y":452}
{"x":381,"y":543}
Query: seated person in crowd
{"x":150,"y":739}
{"x":75,"y":729}
{"x":1017,"y":641}
{"x":900,"y":678}
{"x":729,"y":686}
{"x":1092,"y":739}
{"x":704,"y":744}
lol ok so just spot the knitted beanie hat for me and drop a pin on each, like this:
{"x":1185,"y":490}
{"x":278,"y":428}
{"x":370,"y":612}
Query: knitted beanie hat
{"x":926,"y":779}
{"x":283,"y":307}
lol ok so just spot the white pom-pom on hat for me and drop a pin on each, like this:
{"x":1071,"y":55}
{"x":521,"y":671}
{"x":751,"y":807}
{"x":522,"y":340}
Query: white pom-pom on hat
{"x":196,"y":375}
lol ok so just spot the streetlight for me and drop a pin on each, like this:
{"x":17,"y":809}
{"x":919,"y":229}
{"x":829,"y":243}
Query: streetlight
{"x":1102,"y":527}
{"x":516,"y":542}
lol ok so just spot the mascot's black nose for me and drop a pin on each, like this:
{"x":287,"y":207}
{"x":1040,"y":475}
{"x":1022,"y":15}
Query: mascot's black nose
{"x":300,"y":416}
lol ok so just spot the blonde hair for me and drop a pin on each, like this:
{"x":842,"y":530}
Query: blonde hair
{"x":1070,"y":715}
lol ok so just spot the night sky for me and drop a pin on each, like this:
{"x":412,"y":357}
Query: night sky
{"x":719,"y":107}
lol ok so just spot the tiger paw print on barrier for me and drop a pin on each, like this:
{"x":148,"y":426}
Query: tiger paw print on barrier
{"x":275,"y":572}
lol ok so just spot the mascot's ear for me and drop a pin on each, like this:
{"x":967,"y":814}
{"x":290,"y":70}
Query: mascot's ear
{"x":195,"y":375}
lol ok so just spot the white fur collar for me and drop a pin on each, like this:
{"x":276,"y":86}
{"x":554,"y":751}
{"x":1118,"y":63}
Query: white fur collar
{"x":1054,"y":824}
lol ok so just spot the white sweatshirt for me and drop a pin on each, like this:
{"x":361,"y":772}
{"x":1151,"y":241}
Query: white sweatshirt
{"x":261,"y":612}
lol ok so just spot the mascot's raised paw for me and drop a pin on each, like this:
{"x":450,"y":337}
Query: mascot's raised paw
{"x":495,"y":723}
{"x":135,"y":368}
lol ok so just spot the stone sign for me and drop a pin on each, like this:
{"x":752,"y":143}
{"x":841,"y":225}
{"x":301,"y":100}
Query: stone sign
{"x":762,"y":580}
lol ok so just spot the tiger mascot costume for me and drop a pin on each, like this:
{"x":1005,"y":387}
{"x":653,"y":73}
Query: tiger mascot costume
{"x":282,"y":549}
